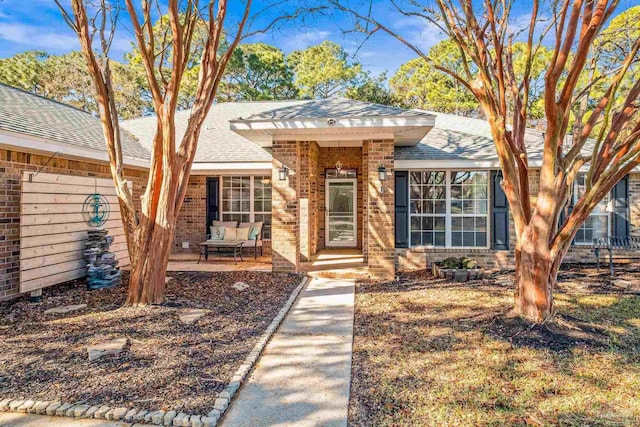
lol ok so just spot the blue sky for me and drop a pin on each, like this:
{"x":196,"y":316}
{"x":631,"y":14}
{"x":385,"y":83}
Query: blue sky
{"x":37,"y":24}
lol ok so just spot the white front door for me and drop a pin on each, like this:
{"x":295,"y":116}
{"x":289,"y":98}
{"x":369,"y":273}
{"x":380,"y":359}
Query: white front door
{"x":341,"y":227}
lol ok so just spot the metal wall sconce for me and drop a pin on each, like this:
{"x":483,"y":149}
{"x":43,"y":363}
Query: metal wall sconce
{"x":283,"y":172}
{"x":382,"y":176}
{"x":382,"y":173}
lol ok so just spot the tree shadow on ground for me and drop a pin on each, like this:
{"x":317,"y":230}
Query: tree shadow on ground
{"x":429,"y":352}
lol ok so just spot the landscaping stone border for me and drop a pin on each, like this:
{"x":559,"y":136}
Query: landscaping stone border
{"x":159,"y":417}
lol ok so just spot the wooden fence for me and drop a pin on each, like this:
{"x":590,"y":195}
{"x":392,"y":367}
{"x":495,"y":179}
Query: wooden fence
{"x":53,"y":231}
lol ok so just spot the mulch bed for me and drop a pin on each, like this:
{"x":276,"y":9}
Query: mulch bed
{"x":168,"y":365}
{"x":432,"y":352}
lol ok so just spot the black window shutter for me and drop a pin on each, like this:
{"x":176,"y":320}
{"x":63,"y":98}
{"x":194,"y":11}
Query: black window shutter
{"x":402,"y":209}
{"x":213,"y":209}
{"x":499,"y":214}
{"x":620,"y":214}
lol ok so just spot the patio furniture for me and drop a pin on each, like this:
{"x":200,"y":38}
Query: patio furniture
{"x":255,"y":244}
{"x":235,"y":246}
{"x":612,"y":243}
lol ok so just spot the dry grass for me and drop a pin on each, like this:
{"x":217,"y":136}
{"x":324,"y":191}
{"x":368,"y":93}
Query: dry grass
{"x":430,"y":353}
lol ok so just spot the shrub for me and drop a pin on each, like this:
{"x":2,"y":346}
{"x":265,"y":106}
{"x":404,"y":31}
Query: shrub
{"x":458,"y":263}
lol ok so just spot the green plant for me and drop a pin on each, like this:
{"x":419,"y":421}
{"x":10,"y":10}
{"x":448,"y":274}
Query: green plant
{"x":458,"y":263}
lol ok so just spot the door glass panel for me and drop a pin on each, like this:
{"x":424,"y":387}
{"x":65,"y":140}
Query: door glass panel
{"x":341,"y":213}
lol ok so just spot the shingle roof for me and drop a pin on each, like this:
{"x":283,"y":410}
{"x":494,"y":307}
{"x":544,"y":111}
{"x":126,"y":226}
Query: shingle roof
{"x":333,"y":108}
{"x":217,"y":143}
{"x":463,"y":138}
{"x":26,"y":113}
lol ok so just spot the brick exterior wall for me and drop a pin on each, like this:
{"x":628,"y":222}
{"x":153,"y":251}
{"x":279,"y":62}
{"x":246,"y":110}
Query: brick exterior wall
{"x":315,"y":211}
{"x":12,"y":164}
{"x":192,"y":219}
{"x":285,"y":239}
{"x":304,"y":195}
{"x":380,"y":209}
{"x":419,"y":258}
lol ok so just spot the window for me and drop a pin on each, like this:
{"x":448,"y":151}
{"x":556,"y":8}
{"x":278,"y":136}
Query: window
{"x":236,"y":198}
{"x":596,"y":226}
{"x":449,"y":208}
{"x":262,"y":203}
{"x":469,"y":204}
{"x":247,"y":199}
{"x":428,"y":208}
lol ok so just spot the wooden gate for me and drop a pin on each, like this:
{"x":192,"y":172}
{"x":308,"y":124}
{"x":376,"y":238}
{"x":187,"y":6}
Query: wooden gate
{"x":53,"y":231}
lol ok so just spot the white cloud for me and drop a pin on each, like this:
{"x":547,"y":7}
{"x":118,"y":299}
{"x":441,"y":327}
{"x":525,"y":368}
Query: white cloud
{"x":301,"y":40}
{"x":36,"y":37}
{"x":55,"y":41}
{"x":418,"y":31}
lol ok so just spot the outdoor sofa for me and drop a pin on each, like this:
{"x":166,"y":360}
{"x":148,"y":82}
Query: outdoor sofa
{"x":253,"y":242}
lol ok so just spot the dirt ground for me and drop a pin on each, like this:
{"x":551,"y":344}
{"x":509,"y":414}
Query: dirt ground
{"x":167,"y":364}
{"x":434,"y":353}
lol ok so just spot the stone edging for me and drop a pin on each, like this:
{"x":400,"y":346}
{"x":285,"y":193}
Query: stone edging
{"x":169,"y":418}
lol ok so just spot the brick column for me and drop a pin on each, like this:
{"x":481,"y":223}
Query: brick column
{"x":304,"y":193}
{"x":380,"y":209}
{"x":285,"y":225}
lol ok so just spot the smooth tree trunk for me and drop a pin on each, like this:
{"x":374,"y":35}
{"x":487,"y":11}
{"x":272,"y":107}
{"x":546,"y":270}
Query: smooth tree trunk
{"x":149,"y":264}
{"x":535,"y":277}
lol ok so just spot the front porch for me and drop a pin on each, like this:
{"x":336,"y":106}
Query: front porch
{"x":217,"y":263}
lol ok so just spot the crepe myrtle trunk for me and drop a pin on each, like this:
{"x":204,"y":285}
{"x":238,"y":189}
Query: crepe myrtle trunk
{"x":539,"y":250}
{"x":149,"y":266}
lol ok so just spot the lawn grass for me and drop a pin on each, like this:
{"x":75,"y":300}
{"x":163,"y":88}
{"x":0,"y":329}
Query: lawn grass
{"x":432,"y":353}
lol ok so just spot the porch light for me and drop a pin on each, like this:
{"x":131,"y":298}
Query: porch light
{"x":283,"y":173}
{"x":382,"y":173}
{"x":338,"y":166}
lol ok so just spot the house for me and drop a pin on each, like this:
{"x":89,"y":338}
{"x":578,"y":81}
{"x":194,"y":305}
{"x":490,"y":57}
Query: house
{"x":405,"y":187}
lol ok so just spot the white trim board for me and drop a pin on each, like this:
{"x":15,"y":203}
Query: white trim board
{"x":32,"y":144}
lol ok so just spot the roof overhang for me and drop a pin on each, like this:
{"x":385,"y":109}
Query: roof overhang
{"x":404,"y":130}
{"x":231,"y":168}
{"x":32,"y":144}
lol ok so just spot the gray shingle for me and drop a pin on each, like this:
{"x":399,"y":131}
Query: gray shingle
{"x":463,"y":138}
{"x":29,"y":114}
{"x":333,"y":108}
{"x":217,"y":143}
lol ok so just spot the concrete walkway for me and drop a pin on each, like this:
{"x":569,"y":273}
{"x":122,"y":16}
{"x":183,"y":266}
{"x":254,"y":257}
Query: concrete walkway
{"x":303,"y":376}
{"x":14,"y":419}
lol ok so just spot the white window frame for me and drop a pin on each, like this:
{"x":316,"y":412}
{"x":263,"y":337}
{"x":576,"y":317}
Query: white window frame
{"x":253,"y":199}
{"x":252,"y":212}
{"x":606,"y":213}
{"x":448,"y":214}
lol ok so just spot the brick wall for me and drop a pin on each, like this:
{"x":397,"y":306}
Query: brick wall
{"x":191,"y":224}
{"x":380,"y":209}
{"x":418,"y":258}
{"x":315,"y":211}
{"x":350,"y":158}
{"x":285,"y":236}
{"x":12,"y":164}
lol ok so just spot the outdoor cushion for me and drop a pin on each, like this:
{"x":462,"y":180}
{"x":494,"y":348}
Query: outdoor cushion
{"x":255,"y":228}
{"x":217,"y":233}
{"x":242,"y":233}
{"x":230,"y":224}
{"x":230,"y":234}
{"x":251,"y":243}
